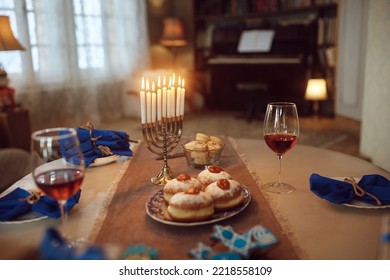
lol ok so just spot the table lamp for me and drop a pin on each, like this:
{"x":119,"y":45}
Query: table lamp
{"x":8,"y":42}
{"x":173,"y":35}
{"x":316,"y":91}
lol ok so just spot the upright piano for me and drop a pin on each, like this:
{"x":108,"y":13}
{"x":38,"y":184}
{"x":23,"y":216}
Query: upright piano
{"x":284,"y":69}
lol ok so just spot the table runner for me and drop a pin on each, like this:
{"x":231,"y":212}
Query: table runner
{"x":127,"y":222}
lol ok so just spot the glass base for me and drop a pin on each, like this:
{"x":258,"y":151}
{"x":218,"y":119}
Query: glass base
{"x":280,"y":188}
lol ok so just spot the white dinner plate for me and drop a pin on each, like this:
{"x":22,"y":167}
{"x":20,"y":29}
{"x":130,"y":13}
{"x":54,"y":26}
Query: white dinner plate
{"x":360,"y":204}
{"x":156,"y":208}
{"x":27,"y":184}
{"x":104,"y":160}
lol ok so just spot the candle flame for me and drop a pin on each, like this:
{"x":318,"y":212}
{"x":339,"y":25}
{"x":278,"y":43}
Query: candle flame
{"x":143,"y":83}
{"x":147,"y":84}
{"x":179,"y":82}
{"x":159,"y":82}
{"x":164,"y":82}
{"x":182,"y":83}
{"x":153,"y":86}
{"x":173,"y":79}
{"x":170,"y":82}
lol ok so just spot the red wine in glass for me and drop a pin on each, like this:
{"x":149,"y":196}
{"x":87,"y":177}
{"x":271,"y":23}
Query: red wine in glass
{"x":58,"y":165}
{"x":60,"y":184}
{"x":280,"y":143}
{"x":280,"y":131}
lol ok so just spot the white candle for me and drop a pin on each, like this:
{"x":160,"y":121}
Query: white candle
{"x":153,"y":103}
{"x":183,"y":97}
{"x":172,"y":101}
{"x":169,"y":98}
{"x":159,"y":100}
{"x":172,"y":84}
{"x":142,"y":99}
{"x":148,"y":103}
{"x":168,"y":103}
{"x":178,"y":98}
{"x":164,"y":99}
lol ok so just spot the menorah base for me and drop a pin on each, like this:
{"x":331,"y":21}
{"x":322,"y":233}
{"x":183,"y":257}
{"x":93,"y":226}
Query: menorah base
{"x":163,"y":177}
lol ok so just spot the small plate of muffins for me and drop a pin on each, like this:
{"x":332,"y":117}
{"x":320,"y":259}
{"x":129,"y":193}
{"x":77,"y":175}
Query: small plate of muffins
{"x":187,"y":201}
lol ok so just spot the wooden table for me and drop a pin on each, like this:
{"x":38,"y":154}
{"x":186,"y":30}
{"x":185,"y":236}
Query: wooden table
{"x":317,"y":228}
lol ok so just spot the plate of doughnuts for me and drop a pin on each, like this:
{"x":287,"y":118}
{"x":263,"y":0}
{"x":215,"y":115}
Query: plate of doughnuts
{"x":157,"y":209}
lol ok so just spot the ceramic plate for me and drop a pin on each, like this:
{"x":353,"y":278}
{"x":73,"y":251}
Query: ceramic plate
{"x":360,"y":204}
{"x":27,"y":184}
{"x":104,"y":160}
{"x":157,"y":210}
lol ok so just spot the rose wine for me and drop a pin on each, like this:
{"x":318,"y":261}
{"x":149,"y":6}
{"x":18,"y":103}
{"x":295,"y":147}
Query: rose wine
{"x":280,"y":143}
{"x":60,"y":184}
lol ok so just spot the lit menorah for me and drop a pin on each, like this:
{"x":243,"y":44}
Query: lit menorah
{"x":162,"y":113}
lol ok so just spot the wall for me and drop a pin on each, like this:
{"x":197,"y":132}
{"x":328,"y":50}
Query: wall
{"x":162,"y":57}
{"x":351,"y":53}
{"x":375,"y":133}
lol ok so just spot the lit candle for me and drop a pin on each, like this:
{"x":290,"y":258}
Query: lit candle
{"x":153,"y":103}
{"x":178,"y":98}
{"x":142,"y":99}
{"x":183,"y":96}
{"x":148,"y":103}
{"x":173,"y":110}
{"x":169,"y":105}
{"x":159,"y":100}
{"x":164,"y":99}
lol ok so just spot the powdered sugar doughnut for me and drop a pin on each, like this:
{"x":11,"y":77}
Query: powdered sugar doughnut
{"x":180,"y":184}
{"x":190,"y":206}
{"x":227,"y":194}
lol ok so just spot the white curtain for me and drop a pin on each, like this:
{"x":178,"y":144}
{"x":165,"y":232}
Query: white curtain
{"x":62,"y":93}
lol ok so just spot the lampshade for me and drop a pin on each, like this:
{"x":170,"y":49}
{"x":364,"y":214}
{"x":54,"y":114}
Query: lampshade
{"x":173,"y":33}
{"x":316,"y":89}
{"x":8,"y":42}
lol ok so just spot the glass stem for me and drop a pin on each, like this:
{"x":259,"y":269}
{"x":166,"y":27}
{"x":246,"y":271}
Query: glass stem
{"x":64,"y":217}
{"x":280,"y":170}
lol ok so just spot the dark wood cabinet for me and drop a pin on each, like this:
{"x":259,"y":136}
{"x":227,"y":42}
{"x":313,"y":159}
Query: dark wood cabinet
{"x":303,"y":47}
{"x":15,"y":131}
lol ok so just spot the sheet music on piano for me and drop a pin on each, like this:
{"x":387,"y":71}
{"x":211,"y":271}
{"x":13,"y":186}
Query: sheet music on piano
{"x":256,"y":40}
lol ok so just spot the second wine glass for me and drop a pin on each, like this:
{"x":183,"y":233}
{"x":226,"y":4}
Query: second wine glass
{"x":281,"y":132}
{"x":58,"y":164}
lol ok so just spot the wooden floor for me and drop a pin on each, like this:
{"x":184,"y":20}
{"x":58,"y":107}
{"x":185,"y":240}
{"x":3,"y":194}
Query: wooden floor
{"x":337,"y":133}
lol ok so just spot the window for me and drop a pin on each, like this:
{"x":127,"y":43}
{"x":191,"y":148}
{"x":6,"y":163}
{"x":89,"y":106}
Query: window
{"x":89,"y":33}
{"x":80,"y":56}
{"x":32,"y":31}
{"x":78,"y":35}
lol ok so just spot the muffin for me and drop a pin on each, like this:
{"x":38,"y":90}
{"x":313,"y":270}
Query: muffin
{"x":198,"y":151}
{"x":191,"y":206}
{"x":212,"y":174}
{"x":227,"y":194}
{"x":180,"y":184}
{"x":201,"y":137}
{"x":216,"y":140}
{"x":214,"y":147}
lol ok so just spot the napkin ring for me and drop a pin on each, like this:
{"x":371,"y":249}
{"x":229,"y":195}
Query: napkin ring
{"x":32,"y":198}
{"x":359,"y":191}
{"x":106,"y":151}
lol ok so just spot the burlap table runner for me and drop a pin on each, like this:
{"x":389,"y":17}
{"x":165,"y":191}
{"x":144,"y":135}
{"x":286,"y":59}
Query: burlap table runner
{"x":127,"y":222}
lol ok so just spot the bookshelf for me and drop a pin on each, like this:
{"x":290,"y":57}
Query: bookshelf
{"x":315,"y":19}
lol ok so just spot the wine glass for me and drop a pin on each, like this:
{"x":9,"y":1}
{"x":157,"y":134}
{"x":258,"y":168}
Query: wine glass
{"x":58,"y":165}
{"x":281,"y":132}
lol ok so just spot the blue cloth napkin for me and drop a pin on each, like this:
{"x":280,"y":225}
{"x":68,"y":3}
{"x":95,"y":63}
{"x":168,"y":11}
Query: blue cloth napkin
{"x":15,"y":204}
{"x":116,"y":141}
{"x":342,"y":192}
{"x":54,"y":247}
